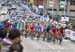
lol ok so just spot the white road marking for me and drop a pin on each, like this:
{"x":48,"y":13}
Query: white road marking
{"x":51,"y":47}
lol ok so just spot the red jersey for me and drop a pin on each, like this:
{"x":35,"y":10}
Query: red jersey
{"x":53,"y":31}
{"x":32,"y":28}
{"x":9,"y":25}
{"x":62,"y":30}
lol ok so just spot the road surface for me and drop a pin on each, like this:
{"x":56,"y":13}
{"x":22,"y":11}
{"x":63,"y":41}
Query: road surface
{"x":41,"y":46}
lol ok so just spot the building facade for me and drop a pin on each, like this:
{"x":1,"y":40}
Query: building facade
{"x":57,"y":7}
{"x":61,"y":7}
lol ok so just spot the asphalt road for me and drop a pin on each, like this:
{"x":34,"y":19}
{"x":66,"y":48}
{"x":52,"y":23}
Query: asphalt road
{"x":41,"y":46}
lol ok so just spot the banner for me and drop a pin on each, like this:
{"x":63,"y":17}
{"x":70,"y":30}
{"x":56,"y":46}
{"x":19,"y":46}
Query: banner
{"x":72,"y":36}
{"x":67,"y":33}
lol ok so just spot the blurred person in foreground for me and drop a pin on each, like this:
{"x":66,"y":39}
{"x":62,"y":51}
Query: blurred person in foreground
{"x":13,"y":38}
{"x":16,"y":48}
{"x":3,"y":34}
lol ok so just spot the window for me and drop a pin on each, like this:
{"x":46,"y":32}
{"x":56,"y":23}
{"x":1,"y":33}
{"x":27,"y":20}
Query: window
{"x":72,"y":2}
{"x":63,"y":3}
{"x":61,"y":11}
{"x":50,"y":11}
{"x":62,"y":0}
{"x":41,"y":0}
{"x":72,"y":12}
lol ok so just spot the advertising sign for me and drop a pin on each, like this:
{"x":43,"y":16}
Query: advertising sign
{"x":64,"y":18}
{"x":72,"y":36}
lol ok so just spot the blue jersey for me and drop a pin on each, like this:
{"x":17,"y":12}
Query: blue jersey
{"x":45,"y":30}
{"x":14,"y":26}
{"x":37,"y":28}
{"x":1,"y":25}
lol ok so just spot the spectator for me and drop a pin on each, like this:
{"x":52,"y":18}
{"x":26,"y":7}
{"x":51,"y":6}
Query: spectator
{"x":13,"y":37}
{"x":16,"y":48}
{"x":3,"y":34}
